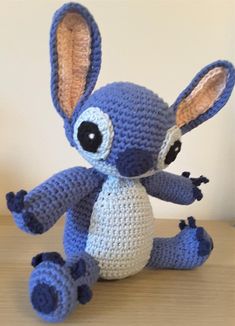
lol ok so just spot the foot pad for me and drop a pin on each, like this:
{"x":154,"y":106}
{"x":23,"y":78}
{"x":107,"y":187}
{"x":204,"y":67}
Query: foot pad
{"x":44,"y":298}
{"x":205,"y":242}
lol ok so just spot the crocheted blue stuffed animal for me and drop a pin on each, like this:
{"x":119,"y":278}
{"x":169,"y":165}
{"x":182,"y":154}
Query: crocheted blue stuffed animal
{"x":129,"y":135}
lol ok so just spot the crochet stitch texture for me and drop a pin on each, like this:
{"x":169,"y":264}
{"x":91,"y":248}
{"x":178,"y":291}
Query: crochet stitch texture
{"x":129,"y":135}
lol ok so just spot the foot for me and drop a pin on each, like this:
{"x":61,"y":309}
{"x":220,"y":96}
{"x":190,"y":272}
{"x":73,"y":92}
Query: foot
{"x":197,"y":193}
{"x":195,"y":242}
{"x":190,"y":248}
{"x":56,"y":288}
{"x":205,"y":242}
{"x":24,"y":219}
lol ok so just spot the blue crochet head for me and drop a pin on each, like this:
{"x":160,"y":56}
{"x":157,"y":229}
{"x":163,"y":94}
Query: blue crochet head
{"x":123,"y":129}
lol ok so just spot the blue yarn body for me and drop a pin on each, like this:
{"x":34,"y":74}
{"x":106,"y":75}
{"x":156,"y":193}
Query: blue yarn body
{"x":77,"y":224}
{"x":51,"y":282}
{"x":138,"y":135}
{"x":48,"y":202}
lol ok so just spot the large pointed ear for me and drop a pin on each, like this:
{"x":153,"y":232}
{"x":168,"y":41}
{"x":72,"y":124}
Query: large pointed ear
{"x":205,"y":96}
{"x":75,"y":51}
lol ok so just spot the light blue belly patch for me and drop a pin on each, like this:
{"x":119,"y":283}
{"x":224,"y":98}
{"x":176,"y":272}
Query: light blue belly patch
{"x":121,"y":229}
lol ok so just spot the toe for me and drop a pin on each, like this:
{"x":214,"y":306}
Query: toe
{"x":84,"y":294}
{"x":192,"y":222}
{"x":53,"y":257}
{"x":15,"y":202}
{"x":36,"y":260}
{"x":182,"y":225}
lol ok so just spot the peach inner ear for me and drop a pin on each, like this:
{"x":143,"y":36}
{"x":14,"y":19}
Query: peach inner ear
{"x":203,"y":96}
{"x":73,"y":49}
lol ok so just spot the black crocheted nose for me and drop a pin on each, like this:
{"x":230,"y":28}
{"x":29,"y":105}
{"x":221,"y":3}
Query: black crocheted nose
{"x":134,"y":162}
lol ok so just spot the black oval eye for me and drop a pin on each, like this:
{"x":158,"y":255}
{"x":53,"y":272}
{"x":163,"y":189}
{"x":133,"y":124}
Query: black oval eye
{"x":173,"y":152}
{"x":89,"y":136}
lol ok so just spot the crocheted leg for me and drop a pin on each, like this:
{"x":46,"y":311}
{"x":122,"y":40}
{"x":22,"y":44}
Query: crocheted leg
{"x":188,"y":249}
{"x":57,"y":286}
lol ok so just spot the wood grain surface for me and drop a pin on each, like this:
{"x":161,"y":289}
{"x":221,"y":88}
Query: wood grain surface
{"x":204,"y":296}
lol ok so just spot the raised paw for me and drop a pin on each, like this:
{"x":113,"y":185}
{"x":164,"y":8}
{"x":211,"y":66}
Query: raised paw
{"x":24,"y":219}
{"x":196,"y":182}
{"x":15,"y":202}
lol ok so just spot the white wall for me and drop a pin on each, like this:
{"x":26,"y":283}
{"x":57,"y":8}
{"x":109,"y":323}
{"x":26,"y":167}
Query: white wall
{"x":160,"y":44}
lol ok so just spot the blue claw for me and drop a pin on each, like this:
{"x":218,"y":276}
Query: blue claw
{"x":182,"y":225}
{"x":197,"y":193}
{"x":15,"y":202}
{"x":84,"y":294}
{"x":198,"y":181}
{"x":191,"y":223}
{"x":186,"y":174}
{"x":53,"y":257}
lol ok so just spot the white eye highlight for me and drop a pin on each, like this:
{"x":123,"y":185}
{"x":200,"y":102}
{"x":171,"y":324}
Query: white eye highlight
{"x":170,"y":148}
{"x":93,"y":134}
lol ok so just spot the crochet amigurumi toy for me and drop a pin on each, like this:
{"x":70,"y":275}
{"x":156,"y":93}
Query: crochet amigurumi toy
{"x":129,"y":135}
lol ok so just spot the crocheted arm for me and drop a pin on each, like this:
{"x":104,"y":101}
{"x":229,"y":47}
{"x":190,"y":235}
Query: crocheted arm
{"x":37,"y":211}
{"x":173,"y":188}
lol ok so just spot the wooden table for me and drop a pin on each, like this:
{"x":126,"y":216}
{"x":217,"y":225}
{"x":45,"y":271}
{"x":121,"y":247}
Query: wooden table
{"x":204,"y":296}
